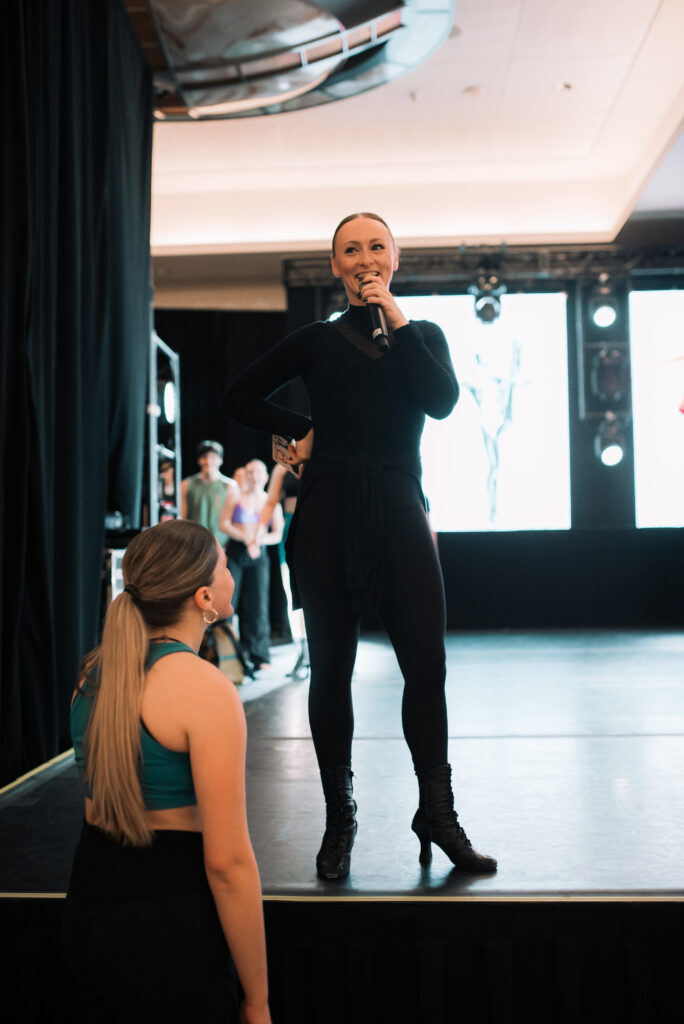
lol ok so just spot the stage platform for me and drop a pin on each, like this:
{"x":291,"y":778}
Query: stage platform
{"x":568,"y":758}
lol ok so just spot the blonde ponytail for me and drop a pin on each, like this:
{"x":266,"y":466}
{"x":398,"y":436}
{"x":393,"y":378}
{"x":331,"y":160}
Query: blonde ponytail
{"x":113,"y":735}
{"x":163,"y":567}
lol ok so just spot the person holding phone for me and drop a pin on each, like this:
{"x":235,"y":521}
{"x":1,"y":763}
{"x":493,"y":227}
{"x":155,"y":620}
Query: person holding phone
{"x":360,"y":541}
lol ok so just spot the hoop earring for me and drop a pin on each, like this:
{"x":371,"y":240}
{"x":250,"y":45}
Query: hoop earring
{"x":210,"y":622}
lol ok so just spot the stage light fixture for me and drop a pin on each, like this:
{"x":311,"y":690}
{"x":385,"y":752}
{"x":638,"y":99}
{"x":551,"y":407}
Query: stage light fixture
{"x":168,"y":408}
{"x":487,"y":292}
{"x":604,"y":316}
{"x":603,"y":305}
{"x":609,"y":375}
{"x":170,"y":401}
{"x":610,"y":440}
{"x":487,"y":309}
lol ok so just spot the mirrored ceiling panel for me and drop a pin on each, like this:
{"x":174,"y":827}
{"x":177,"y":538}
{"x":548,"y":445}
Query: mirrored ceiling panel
{"x":244,"y":58}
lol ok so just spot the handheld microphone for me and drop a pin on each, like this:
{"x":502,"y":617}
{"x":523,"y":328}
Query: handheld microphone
{"x":380,"y":333}
{"x":379,"y":324}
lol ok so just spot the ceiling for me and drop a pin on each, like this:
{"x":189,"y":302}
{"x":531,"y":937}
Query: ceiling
{"x":535,"y":122}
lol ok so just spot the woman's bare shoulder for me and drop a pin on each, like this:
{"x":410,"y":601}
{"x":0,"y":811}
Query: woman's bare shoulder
{"x":191,"y":676}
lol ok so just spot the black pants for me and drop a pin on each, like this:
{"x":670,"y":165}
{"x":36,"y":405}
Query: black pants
{"x":412,"y":611}
{"x":250,"y":599}
{"x":141,"y":933}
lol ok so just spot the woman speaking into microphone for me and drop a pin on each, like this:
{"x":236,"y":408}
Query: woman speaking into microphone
{"x":360,"y":542}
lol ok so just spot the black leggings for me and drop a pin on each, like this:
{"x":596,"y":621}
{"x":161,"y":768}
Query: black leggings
{"x":250,"y":599}
{"x":141,"y":933}
{"x":412,"y":611}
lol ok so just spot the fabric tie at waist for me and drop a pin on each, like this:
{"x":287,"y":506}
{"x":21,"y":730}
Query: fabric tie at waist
{"x":363,"y":518}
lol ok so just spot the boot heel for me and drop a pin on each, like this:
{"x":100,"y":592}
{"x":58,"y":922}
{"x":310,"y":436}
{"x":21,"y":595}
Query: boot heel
{"x":425,"y":855}
{"x":423,"y":832}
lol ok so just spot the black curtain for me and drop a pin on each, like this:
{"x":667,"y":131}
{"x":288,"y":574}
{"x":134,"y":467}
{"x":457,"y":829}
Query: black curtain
{"x":214,"y":345}
{"x":477,"y":959}
{"x":74,"y":318}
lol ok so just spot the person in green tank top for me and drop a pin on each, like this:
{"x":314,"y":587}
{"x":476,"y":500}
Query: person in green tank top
{"x":203,"y":495}
{"x":164,"y":913}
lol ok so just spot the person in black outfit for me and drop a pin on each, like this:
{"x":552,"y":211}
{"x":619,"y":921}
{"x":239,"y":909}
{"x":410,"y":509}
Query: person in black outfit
{"x":361,"y":485}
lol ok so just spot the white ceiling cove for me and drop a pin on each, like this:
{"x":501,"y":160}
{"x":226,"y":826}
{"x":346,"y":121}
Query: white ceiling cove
{"x":536,"y":121}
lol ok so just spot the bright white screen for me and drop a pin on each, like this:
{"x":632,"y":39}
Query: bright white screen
{"x":657,"y":343}
{"x":501,"y":461}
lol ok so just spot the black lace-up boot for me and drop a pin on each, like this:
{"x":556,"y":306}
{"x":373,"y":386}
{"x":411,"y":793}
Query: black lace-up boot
{"x":334,"y":855}
{"x":436,"y":821}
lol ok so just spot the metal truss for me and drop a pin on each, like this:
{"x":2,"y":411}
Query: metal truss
{"x":527,"y":268}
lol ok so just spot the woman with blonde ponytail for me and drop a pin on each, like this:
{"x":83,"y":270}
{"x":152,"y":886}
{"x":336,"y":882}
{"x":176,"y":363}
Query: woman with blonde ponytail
{"x":164,"y":903}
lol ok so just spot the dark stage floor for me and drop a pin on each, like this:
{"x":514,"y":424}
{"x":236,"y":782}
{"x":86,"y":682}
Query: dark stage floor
{"x":568,"y":755}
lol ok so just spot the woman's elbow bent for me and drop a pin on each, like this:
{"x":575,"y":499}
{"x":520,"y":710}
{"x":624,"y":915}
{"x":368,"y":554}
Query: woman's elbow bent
{"x":441,"y":409}
{"x":225,"y":867}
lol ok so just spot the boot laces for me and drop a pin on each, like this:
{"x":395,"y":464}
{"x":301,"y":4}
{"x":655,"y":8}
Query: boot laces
{"x":444,"y":816}
{"x":340,"y":817}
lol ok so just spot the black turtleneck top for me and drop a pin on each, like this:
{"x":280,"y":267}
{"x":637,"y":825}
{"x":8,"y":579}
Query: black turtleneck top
{"x":361,"y":400}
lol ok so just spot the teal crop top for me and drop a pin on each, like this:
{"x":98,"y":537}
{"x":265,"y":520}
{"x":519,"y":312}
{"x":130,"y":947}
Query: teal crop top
{"x":165,"y":775}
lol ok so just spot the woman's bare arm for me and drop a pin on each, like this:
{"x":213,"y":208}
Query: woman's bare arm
{"x":217,"y":735}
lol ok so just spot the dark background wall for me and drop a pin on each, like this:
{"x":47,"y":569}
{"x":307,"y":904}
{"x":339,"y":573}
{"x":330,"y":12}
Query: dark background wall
{"x":74,"y":325}
{"x":603,"y":578}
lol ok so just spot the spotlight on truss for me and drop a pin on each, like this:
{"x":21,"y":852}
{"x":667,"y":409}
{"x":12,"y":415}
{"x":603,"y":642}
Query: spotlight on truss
{"x":487,"y":292}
